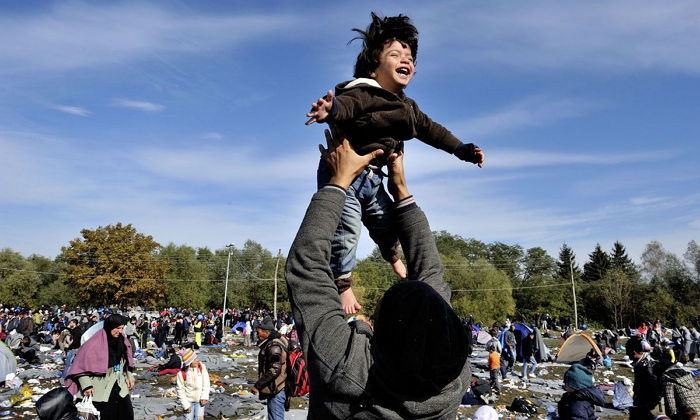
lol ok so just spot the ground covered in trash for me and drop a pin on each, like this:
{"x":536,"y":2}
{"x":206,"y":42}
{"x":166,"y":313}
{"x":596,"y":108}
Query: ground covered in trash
{"x":233,"y":370}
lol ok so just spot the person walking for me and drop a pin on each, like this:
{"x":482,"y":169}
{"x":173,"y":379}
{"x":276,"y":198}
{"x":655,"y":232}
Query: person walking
{"x":529,"y":352}
{"x":103,"y":368}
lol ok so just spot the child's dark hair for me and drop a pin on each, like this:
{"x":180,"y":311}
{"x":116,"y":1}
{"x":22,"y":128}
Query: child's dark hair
{"x":392,"y":28}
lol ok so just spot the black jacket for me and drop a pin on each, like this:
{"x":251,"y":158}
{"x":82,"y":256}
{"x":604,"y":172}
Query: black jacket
{"x":375,"y":118}
{"x":647,"y":393}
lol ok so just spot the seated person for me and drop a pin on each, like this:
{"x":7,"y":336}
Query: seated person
{"x":172,"y":366}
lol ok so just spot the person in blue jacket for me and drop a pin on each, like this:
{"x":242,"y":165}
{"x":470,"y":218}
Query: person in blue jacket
{"x":581,"y":397}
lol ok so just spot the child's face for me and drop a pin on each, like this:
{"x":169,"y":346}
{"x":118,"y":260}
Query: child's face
{"x":395,"y":68}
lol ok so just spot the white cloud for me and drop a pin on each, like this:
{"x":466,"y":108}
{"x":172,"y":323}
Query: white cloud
{"x":228,"y":164}
{"x":619,"y":35}
{"x":644,"y":200}
{"x":138,"y":105}
{"x":433,"y":161}
{"x":73,"y":110}
{"x":74,"y":35}
{"x":530,"y":112}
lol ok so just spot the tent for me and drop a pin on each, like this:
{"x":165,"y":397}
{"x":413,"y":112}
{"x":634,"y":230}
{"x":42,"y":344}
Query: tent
{"x":482,"y":337}
{"x":521,"y":331}
{"x":543,"y":352}
{"x":576,"y":347}
{"x":238,"y":327}
{"x":8,"y":363}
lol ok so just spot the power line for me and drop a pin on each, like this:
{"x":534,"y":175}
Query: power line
{"x":489,"y":289}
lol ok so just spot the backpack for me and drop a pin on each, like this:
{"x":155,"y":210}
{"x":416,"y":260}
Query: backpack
{"x":297,"y":374}
{"x":521,"y":405}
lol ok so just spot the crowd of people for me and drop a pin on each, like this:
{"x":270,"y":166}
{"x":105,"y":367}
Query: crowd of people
{"x":99,"y":347}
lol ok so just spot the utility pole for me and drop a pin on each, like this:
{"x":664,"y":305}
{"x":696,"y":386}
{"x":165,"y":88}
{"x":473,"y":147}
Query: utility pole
{"x":228,"y":263}
{"x":279,"y":254}
{"x":573,"y":290}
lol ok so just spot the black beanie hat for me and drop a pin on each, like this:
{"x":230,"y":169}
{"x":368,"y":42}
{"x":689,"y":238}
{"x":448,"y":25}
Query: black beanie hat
{"x":267,"y":324}
{"x":419,"y":345}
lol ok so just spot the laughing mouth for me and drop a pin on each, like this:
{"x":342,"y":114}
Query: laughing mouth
{"x":403,"y":70}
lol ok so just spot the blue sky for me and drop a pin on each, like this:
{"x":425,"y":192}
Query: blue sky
{"x":186,"y":119}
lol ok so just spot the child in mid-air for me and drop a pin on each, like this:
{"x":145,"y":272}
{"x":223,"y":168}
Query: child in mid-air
{"x":374,"y":113}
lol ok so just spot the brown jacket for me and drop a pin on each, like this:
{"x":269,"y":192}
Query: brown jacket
{"x":375,"y":118}
{"x":272,"y":366}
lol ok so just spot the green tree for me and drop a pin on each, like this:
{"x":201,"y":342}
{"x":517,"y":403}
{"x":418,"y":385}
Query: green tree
{"x":506,"y":258}
{"x":450,"y":245}
{"x":372,"y":277}
{"x":18,"y":281}
{"x":251,"y":278}
{"x":653,"y":260}
{"x":597,"y":265}
{"x":187,"y":284}
{"x":616,"y":289}
{"x":481,"y":291}
{"x":692,"y":257}
{"x":621,"y":261}
{"x":57,"y":293}
{"x":539,"y":290}
{"x":114,"y":265}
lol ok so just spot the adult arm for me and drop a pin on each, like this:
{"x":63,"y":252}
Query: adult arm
{"x":313,"y":294}
{"x":414,"y":233}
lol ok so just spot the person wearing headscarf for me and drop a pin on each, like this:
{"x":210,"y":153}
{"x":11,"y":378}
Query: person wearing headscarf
{"x":103,"y":369}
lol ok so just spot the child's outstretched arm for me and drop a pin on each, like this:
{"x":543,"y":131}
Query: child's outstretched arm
{"x":320,"y":109}
{"x":436,"y":135}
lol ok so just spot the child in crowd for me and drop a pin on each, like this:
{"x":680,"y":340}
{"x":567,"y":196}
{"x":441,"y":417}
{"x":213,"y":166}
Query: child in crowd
{"x":374,"y":113}
{"x":494,"y":369}
{"x":581,"y":397}
{"x":193,"y":385}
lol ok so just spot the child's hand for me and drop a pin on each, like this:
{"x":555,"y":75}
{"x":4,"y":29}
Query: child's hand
{"x":480,"y":157}
{"x":319,"y":110}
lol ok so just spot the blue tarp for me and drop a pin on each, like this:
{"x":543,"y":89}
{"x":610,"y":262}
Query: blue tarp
{"x":521,"y":331}
{"x":239,"y":326}
{"x":621,"y":398}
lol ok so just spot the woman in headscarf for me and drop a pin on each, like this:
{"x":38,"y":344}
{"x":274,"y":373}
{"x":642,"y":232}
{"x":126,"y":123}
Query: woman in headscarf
{"x":103,"y":369}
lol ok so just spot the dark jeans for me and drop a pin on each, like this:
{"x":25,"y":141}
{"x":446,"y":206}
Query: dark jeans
{"x":117,"y":408}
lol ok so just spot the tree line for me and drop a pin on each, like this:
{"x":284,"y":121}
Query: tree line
{"x":117,"y":265}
